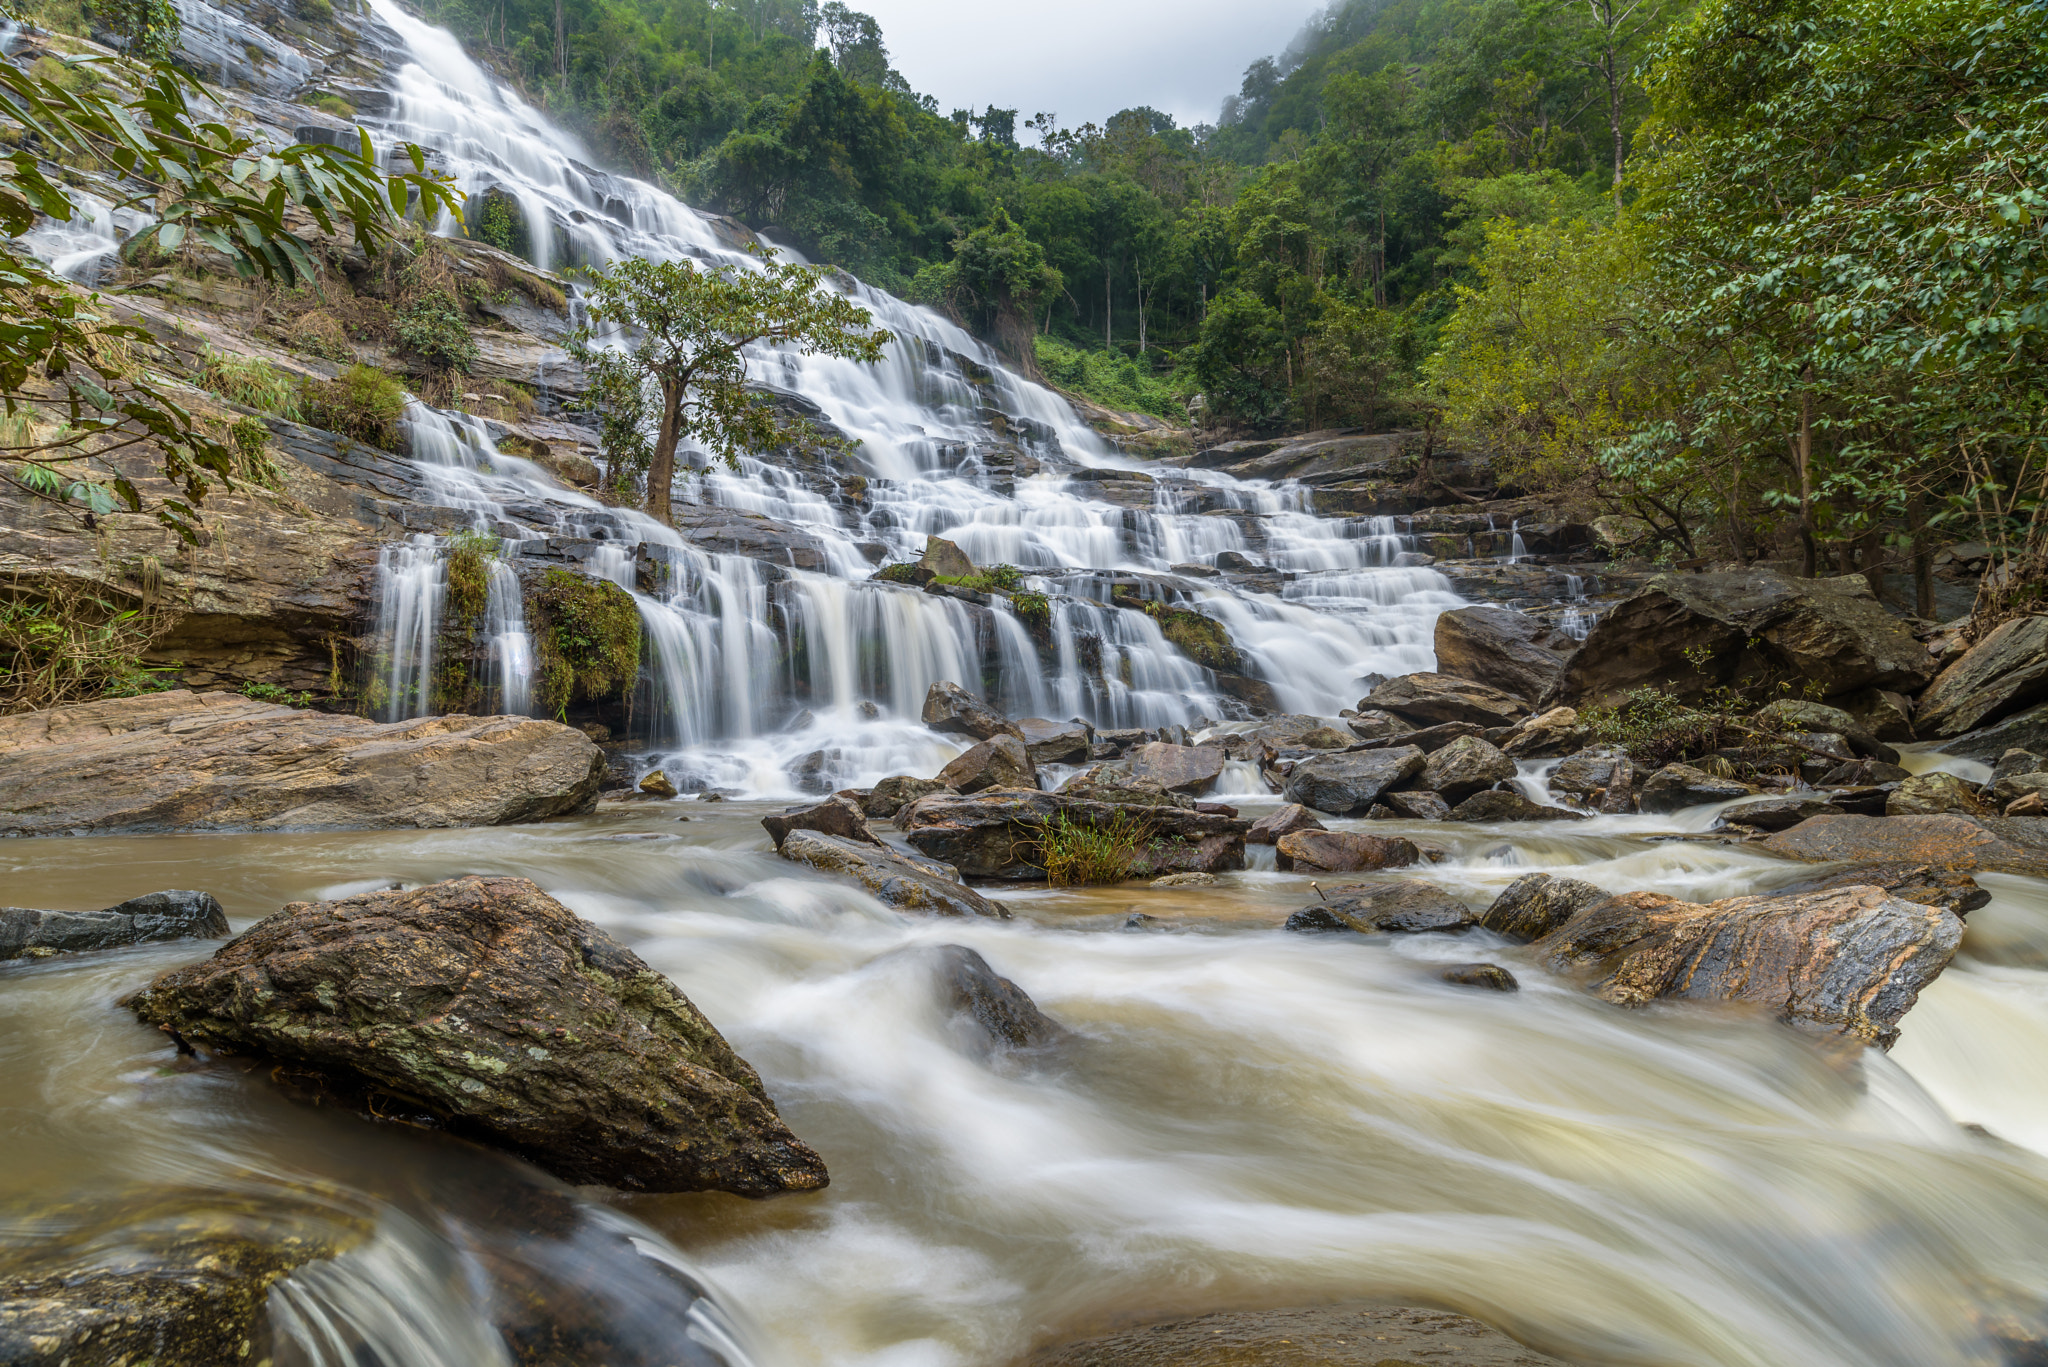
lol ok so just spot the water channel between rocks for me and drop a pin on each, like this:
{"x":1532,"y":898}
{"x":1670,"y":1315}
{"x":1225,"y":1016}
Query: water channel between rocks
{"x":1243,"y":1117}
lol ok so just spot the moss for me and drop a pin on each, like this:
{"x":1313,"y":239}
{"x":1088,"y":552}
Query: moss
{"x":586,"y":636}
{"x":909,"y":572}
{"x":433,"y":331}
{"x":331,"y":104}
{"x":994,"y":579}
{"x":362,"y":402}
{"x":469,"y":575}
{"x":1202,"y":639}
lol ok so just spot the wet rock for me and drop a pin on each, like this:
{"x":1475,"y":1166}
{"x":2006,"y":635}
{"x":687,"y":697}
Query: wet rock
{"x":1862,"y":800}
{"x":1491,"y":977}
{"x":896,"y":879}
{"x":2006,"y":844}
{"x":1055,"y":742}
{"x":1546,"y":735}
{"x":219,"y":761}
{"x":2014,"y":762}
{"x":1121,"y":739}
{"x":1428,"y":698}
{"x":1344,"y":783}
{"x":2026,"y":730}
{"x":1373,"y":724}
{"x":2033,"y":804}
{"x":26,"y":933}
{"x":945,"y":559}
{"x":1299,"y":731}
{"x":1796,"y":714}
{"x":656,"y":784}
{"x":493,"y":1007}
{"x":1464,"y":767}
{"x":1778,"y":813}
{"x":1002,"y":1011}
{"x":1326,"y":1336}
{"x":1932,"y":795}
{"x":998,"y":763}
{"x":994,"y":834}
{"x":1412,"y":806}
{"x":1342,"y":852}
{"x":1930,"y":885}
{"x":889,"y":796}
{"x":1883,"y":713}
{"x":1429,"y":739}
{"x":835,"y":816}
{"x":1748,"y":624}
{"x":1537,"y":903}
{"x":1186,"y":880}
{"x":1846,"y":960}
{"x":2005,"y":673}
{"x":1176,"y":768}
{"x":816,"y":772}
{"x":1862,"y":773}
{"x":1113,"y":783}
{"x":1587,"y":772}
{"x":1407,"y":907}
{"x":1501,"y":804}
{"x":1677,"y":786}
{"x":1282,"y":821}
{"x":1216,"y":808}
{"x":2017,"y":774}
{"x":1520,"y":655}
{"x":952,"y":709}
{"x":1621,"y":796}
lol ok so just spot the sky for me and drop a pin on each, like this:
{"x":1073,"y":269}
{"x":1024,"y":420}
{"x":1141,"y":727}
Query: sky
{"x":1083,"y":59}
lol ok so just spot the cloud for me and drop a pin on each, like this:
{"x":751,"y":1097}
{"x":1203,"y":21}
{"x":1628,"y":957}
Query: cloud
{"x":1084,"y":59}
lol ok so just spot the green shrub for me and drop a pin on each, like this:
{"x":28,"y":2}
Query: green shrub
{"x":1110,"y":378}
{"x":586,"y":635}
{"x":146,"y":29}
{"x":908,"y":572}
{"x":1075,"y":853}
{"x":469,"y":575}
{"x":362,"y":402}
{"x":61,"y":643}
{"x":1034,"y":610}
{"x":250,"y":382}
{"x":320,"y":12}
{"x":250,"y":440}
{"x":433,"y":331}
{"x":329,"y":104}
{"x":263,"y":692}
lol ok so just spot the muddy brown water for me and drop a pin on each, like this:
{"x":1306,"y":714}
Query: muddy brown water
{"x":1245,"y":1119}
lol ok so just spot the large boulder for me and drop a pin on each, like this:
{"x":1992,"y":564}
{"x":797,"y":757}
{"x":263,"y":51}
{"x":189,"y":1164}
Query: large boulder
{"x":26,"y":933}
{"x":2005,"y":673}
{"x":1428,"y":739}
{"x":952,"y":709}
{"x":1406,"y":907}
{"x":1931,"y":795}
{"x":2026,"y":730}
{"x":889,"y":796}
{"x":1410,"y":805}
{"x":838,"y":816}
{"x":1520,"y":655}
{"x":1537,"y":903}
{"x":997,"y":763}
{"x":943,"y":559}
{"x":2004,"y":844}
{"x":490,"y":1006}
{"x":995,"y":834}
{"x":1342,"y":852}
{"x":1055,"y":742}
{"x":1326,"y":1336}
{"x":1587,"y":772}
{"x":897,"y":880}
{"x":1677,"y":786}
{"x":219,"y":761}
{"x":1428,"y":698}
{"x":1505,"y":804}
{"x":1373,"y":724}
{"x":1547,"y":735}
{"x":1779,"y":813}
{"x":1299,"y":731}
{"x":1845,"y":960}
{"x":1114,"y":784}
{"x":1798,"y":714}
{"x":1686,"y":634}
{"x":1932,"y":885}
{"x":1283,"y":820}
{"x":1464,"y":767}
{"x":1001,"y":1012}
{"x":1176,"y":768}
{"x":1349,"y":782}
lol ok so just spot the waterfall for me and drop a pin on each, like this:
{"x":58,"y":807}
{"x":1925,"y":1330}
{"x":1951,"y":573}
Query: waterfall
{"x":511,"y":649}
{"x":411,"y":586}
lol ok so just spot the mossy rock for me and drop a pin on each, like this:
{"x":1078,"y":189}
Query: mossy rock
{"x":586,"y":635}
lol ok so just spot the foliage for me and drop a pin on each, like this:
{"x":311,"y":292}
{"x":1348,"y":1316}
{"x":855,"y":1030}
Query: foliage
{"x":333,"y":104}
{"x":362,"y":403}
{"x":1202,"y":639}
{"x":267,"y":692}
{"x":1078,"y":853}
{"x":468,"y":575}
{"x":685,"y":376}
{"x":1110,"y":378}
{"x":433,"y":331}
{"x":249,"y":381}
{"x":63,"y":642}
{"x":1657,"y":729}
{"x":502,"y":225}
{"x":1034,"y":610}
{"x":250,"y":441}
{"x":207,"y":185}
{"x":140,"y":28}
{"x":905,"y":572}
{"x":586,"y":640}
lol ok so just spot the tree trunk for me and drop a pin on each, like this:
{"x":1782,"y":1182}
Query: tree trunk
{"x":661,"y":471}
{"x":561,"y":42}
{"x":1923,"y":556}
{"x":1616,"y":98}
{"x":1108,"y":317}
{"x":1141,"y":307}
{"x":1870,"y":558}
{"x":1802,"y":454}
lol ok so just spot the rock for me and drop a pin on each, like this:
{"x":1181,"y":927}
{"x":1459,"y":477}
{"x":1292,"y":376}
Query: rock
{"x":2016,"y":775}
{"x":1678,"y":786}
{"x":1176,"y":768}
{"x":1491,"y":977}
{"x":1795,"y":714}
{"x":1342,"y":852}
{"x":1413,"y":806}
{"x":1587,"y":772}
{"x":1500,"y":804}
{"x":656,"y":784}
{"x":1930,"y":885}
{"x":1519,"y":655}
{"x":494,"y":1008}
{"x":1931,"y":795}
{"x":896,"y":879}
{"x":1753,"y":624}
{"x":26,"y":933}
{"x":889,"y":796}
{"x":1861,"y":773}
{"x":2015,"y":762}
{"x":835,"y":816}
{"x":1002,"y":1011}
{"x":1281,"y":821}
{"x":1351,"y":782}
{"x":1464,"y":767}
{"x":1407,"y":907}
{"x":1113,"y":783}
{"x":1299,"y":731}
{"x":2027,"y":730}
{"x":1546,"y":735}
{"x":1862,"y":801}
{"x":1373,"y":724}
{"x":998,"y":763}
{"x":1429,"y":739}
{"x":1186,"y":880}
{"x":1216,"y":808}
{"x":1847,"y":960}
{"x":2033,"y":804}
{"x":1537,"y":903}
{"x":816,"y":772}
{"x":1425,"y":698}
{"x":1326,"y":1336}
{"x":1883,"y":713}
{"x":944,"y":559}
{"x":992,"y":834}
{"x":218,"y":761}
{"x":1620,"y":797}
{"x":1778,"y":813}
{"x":952,"y":709}
{"x":2005,"y":673}
{"x":1963,"y":842}
{"x":1054,"y":742}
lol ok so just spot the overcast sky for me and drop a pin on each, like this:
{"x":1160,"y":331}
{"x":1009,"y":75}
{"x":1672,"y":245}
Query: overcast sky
{"x":1083,"y":59}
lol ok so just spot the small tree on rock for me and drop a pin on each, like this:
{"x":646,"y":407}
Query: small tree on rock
{"x":685,"y":372}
